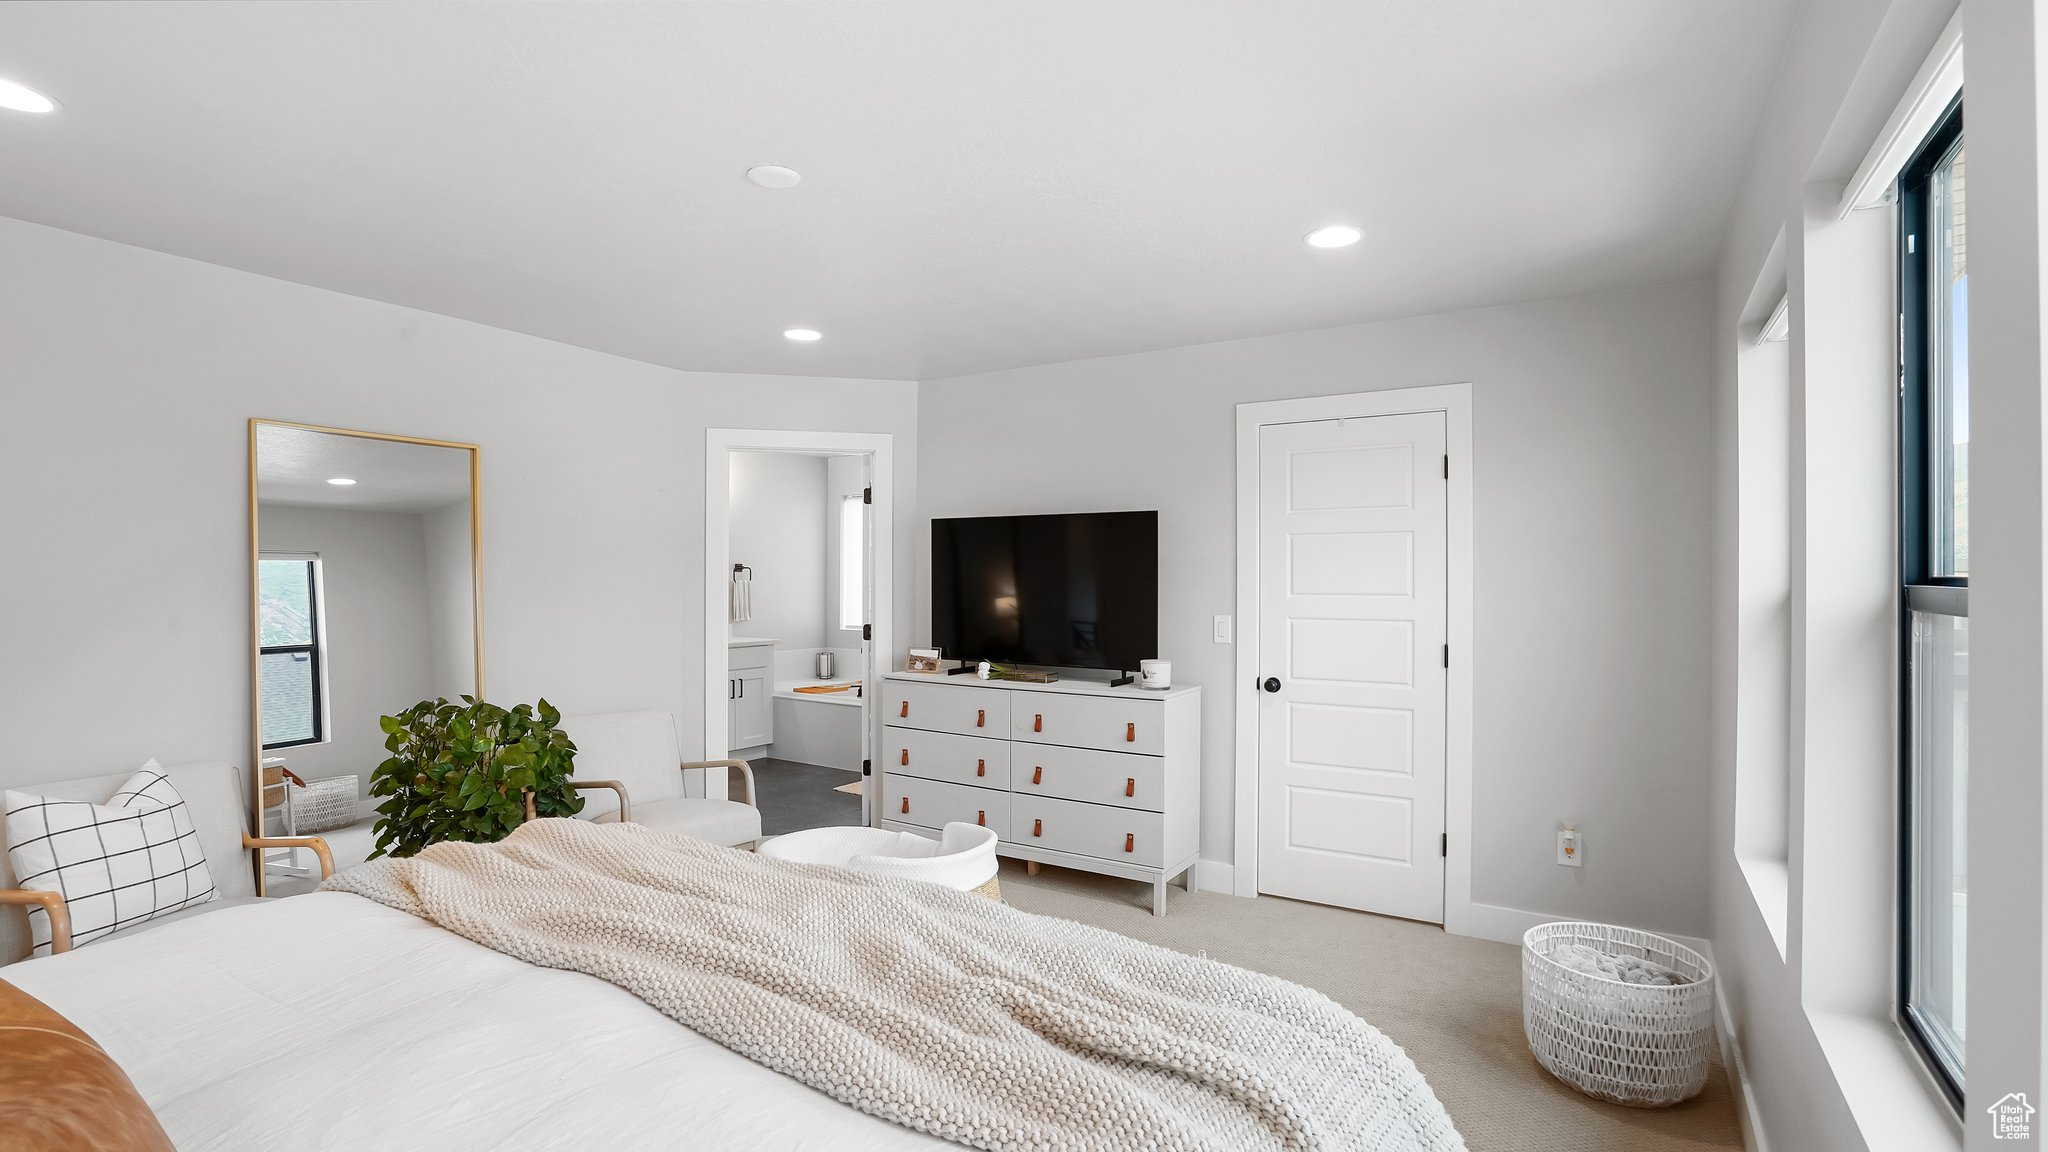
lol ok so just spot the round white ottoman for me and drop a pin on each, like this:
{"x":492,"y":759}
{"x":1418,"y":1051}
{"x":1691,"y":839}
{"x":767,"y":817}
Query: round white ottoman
{"x":964,"y":857}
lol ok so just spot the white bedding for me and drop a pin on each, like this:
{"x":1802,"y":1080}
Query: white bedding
{"x":365,"y":1028}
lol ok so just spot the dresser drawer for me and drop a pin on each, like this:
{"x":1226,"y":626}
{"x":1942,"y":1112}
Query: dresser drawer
{"x":939,"y":707}
{"x":1124,"y":779}
{"x":982,"y":761}
{"x":936,"y":803}
{"x":1112,"y":723}
{"x":1123,"y":834}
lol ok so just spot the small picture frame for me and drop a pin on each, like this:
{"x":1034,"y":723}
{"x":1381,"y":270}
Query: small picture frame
{"x":922,"y":660}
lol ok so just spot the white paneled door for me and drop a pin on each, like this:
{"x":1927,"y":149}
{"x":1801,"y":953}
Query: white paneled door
{"x":1352,"y":610}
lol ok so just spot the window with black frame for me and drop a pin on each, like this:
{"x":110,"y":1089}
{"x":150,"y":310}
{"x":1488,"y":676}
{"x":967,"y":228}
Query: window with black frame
{"x":290,"y":660}
{"x":1934,"y":563}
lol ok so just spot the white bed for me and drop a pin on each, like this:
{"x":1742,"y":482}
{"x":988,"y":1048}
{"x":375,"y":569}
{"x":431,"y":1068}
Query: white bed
{"x":278,"y":1026}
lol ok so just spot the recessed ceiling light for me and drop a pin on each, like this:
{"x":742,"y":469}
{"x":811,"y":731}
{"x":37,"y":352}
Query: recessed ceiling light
{"x":774,"y":176}
{"x":1334,"y":236}
{"x":341,"y":481}
{"x":802,"y":335}
{"x":24,"y":99}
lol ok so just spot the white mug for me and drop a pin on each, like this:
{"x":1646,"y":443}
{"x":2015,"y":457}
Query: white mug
{"x":1155,"y":674}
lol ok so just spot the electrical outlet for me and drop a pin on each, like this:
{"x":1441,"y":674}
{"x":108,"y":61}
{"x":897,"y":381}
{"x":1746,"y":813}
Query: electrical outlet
{"x":1570,"y":853}
{"x":1223,"y":629}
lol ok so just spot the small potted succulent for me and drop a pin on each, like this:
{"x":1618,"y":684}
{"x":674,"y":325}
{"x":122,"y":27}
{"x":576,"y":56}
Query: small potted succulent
{"x":463,"y":771}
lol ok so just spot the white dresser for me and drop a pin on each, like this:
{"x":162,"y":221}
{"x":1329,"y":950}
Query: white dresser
{"x":1076,"y":774}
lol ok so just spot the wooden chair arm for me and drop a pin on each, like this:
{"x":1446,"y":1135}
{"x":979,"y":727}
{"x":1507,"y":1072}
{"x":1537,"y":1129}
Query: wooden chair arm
{"x":746,"y":773}
{"x":318,"y":846}
{"x":52,"y":903}
{"x":625,"y":804}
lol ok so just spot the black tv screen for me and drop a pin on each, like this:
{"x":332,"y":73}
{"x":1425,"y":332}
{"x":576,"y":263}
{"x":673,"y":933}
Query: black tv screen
{"x":1074,"y":591}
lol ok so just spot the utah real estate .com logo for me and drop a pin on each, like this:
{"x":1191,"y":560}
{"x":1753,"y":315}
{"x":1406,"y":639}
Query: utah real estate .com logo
{"x":2012,"y":1118}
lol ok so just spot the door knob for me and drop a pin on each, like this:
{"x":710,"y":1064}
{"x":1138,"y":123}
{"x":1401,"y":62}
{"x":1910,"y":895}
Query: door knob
{"x":1272,"y":684}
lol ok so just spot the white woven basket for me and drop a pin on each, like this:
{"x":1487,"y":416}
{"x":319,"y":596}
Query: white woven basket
{"x":1644,"y":1045}
{"x":323,"y":804}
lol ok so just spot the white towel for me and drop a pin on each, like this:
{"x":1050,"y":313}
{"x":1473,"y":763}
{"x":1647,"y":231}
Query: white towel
{"x":742,"y":595}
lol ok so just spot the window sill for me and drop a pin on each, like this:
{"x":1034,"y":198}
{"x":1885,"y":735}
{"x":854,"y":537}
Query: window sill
{"x":1770,"y":885}
{"x":1894,"y":1102}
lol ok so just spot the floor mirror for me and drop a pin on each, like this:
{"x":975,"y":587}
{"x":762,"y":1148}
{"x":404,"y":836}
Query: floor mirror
{"x":366,"y":597}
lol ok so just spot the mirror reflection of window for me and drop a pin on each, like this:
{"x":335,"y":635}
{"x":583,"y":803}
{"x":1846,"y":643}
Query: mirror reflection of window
{"x":293,"y":671}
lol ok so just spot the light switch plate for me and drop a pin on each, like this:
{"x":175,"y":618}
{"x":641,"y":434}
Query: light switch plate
{"x":1223,"y":629}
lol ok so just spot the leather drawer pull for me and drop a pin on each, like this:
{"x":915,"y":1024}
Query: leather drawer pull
{"x":1130,"y":785}
{"x":1130,"y":733}
{"x":1129,"y":841}
{"x":904,"y":714}
{"x":1038,"y":722}
{"x":1038,"y":774}
{"x":906,"y":757}
{"x":906,"y":805}
{"x":981,"y":767}
{"x":981,"y":817}
{"x":1037,"y":826}
{"x":980,"y":717}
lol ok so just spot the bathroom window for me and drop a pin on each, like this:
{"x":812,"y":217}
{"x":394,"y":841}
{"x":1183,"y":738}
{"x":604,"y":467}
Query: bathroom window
{"x":853,"y":533}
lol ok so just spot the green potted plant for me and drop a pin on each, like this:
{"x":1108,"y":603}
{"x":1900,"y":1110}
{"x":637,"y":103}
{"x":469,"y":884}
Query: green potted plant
{"x":463,"y":772}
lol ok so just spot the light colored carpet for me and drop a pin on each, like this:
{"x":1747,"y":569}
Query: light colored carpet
{"x":1455,"y":1005}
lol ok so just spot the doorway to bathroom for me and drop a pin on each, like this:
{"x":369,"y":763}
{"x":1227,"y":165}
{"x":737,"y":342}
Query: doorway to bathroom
{"x":796,"y":587}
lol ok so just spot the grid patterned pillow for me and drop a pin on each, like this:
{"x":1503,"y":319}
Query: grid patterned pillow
{"x":116,"y":864}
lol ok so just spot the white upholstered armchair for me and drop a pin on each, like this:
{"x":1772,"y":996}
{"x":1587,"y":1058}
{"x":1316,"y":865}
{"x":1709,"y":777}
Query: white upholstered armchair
{"x":218,"y":803}
{"x":630,"y":767}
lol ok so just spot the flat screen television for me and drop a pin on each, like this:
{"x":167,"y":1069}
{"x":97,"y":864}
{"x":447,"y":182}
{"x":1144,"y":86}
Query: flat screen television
{"x":1072,"y":591}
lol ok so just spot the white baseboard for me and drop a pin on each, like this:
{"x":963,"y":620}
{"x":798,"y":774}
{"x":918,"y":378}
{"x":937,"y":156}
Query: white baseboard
{"x":1738,"y":1073}
{"x":1494,"y":922}
{"x":1215,"y":876}
{"x":1508,"y":925}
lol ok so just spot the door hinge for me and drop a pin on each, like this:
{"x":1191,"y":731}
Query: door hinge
{"x":867,"y":767}
{"x":1443,"y":845}
{"x":867,"y":495}
{"x":867,"y":631}
{"x":1447,"y":655}
{"x":1447,"y":467}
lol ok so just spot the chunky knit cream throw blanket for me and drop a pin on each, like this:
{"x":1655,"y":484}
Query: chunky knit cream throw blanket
{"x":936,"y":1009}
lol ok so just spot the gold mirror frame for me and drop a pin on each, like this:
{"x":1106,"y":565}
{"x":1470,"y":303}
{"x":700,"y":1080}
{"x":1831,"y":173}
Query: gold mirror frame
{"x":476,"y":574}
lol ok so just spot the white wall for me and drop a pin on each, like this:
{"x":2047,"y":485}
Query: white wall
{"x":379,"y":628}
{"x":778,"y":529}
{"x":451,"y":599}
{"x":1592,"y":438}
{"x":128,"y":376}
{"x":2006,"y":127}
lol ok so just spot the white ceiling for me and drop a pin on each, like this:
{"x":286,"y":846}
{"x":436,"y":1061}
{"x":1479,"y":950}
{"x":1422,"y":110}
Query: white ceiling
{"x":293,"y":466}
{"x":985,"y":184}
